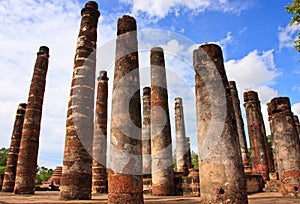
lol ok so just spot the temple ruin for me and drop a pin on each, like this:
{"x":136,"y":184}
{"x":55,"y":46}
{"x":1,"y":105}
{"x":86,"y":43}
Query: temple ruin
{"x":125,"y":181}
{"x":12,"y":157}
{"x":221,"y":170}
{"x":77,"y":163}
{"x":100,"y":136}
{"x":29,"y":145}
{"x":161,"y":142}
{"x":287,"y":145}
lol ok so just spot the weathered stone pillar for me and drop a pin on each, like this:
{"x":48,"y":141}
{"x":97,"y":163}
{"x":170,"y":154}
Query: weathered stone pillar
{"x":287,"y":145}
{"x":220,"y":163}
{"x":125,"y":180}
{"x":12,"y":157}
{"x":181,"y":143}
{"x":239,"y":122}
{"x":257,"y":136}
{"x":161,"y":142}
{"x":100,"y":136}
{"x":29,"y":145}
{"x":188,"y":155}
{"x":146,"y":131}
{"x":297,"y":124}
{"x":76,"y":181}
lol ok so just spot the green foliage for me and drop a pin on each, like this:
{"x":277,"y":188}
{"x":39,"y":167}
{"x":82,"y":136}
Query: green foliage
{"x":43,"y":174}
{"x":195,"y":160}
{"x":294,"y":9}
{"x":3,"y":158}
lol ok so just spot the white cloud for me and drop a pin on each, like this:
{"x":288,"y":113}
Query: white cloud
{"x":157,"y":9}
{"x":287,"y":35}
{"x":254,"y":70}
{"x":296,"y":109}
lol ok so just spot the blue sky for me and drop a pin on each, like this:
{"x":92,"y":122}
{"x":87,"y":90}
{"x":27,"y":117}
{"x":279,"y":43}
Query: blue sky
{"x":255,"y":36}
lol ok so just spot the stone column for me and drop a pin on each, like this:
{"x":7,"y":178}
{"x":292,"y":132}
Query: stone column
{"x":146,"y":132}
{"x":188,"y":155}
{"x":181,"y":143}
{"x":256,"y":134}
{"x":76,"y":181}
{"x":100,"y":136}
{"x":161,"y":142}
{"x":297,"y":124}
{"x":220,"y":163}
{"x":125,"y":180}
{"x":287,"y":145}
{"x":239,"y":122}
{"x":28,"y":154}
{"x":12,"y":157}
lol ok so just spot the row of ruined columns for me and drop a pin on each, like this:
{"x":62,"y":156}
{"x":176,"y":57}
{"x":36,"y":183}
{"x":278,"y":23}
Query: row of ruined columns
{"x":139,"y":146}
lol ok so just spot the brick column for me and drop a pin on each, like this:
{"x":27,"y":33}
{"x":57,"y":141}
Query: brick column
{"x":161,"y":142}
{"x":256,"y":134}
{"x":76,"y":180}
{"x":287,"y":145}
{"x":12,"y":157}
{"x":181,"y":143}
{"x":239,"y":122}
{"x":100,"y":136}
{"x":27,"y":160}
{"x":220,"y":163}
{"x":125,"y":180}
{"x":146,"y":132}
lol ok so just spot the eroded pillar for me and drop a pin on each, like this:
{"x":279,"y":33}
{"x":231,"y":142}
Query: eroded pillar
{"x":125,"y":181}
{"x":161,"y":142}
{"x":146,"y":132}
{"x":181,"y":143}
{"x":257,"y":136}
{"x":29,"y":145}
{"x":100,"y":136}
{"x":287,"y":145}
{"x":12,"y":157}
{"x":220,"y":163}
{"x":76,"y":181}
{"x":188,"y":155}
{"x":239,"y":122}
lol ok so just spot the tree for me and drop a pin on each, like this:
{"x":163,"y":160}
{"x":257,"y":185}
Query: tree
{"x":3,"y":158}
{"x":43,"y":174}
{"x":294,"y":9}
{"x":195,"y":160}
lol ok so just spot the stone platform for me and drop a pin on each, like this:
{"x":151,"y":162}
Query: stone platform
{"x":50,"y":197}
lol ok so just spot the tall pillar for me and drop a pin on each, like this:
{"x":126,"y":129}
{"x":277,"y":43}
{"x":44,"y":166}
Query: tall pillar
{"x":181,"y":144}
{"x":188,"y":155}
{"x":161,"y":142}
{"x":256,"y":134}
{"x":287,"y":145}
{"x":146,"y":131}
{"x":220,"y":163}
{"x":12,"y":157}
{"x":125,"y":180}
{"x":297,"y":124}
{"x":29,"y":145}
{"x":100,"y":136}
{"x":239,"y":122}
{"x":76,"y":177}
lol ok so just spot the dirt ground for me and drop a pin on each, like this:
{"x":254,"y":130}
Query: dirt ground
{"x":48,"y":197}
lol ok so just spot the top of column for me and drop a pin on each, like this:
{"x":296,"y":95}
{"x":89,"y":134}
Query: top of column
{"x":103,"y":76}
{"x":250,"y":96}
{"x":44,"y":50}
{"x":126,"y":24}
{"x":90,"y":8}
{"x":157,"y":56}
{"x":232,"y":85}
{"x":146,"y":90}
{"x":178,"y":100}
{"x":279,"y":105}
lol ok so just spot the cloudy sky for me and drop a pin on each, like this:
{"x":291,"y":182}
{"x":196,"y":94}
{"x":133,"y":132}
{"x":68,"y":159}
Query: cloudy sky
{"x":255,"y":36}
